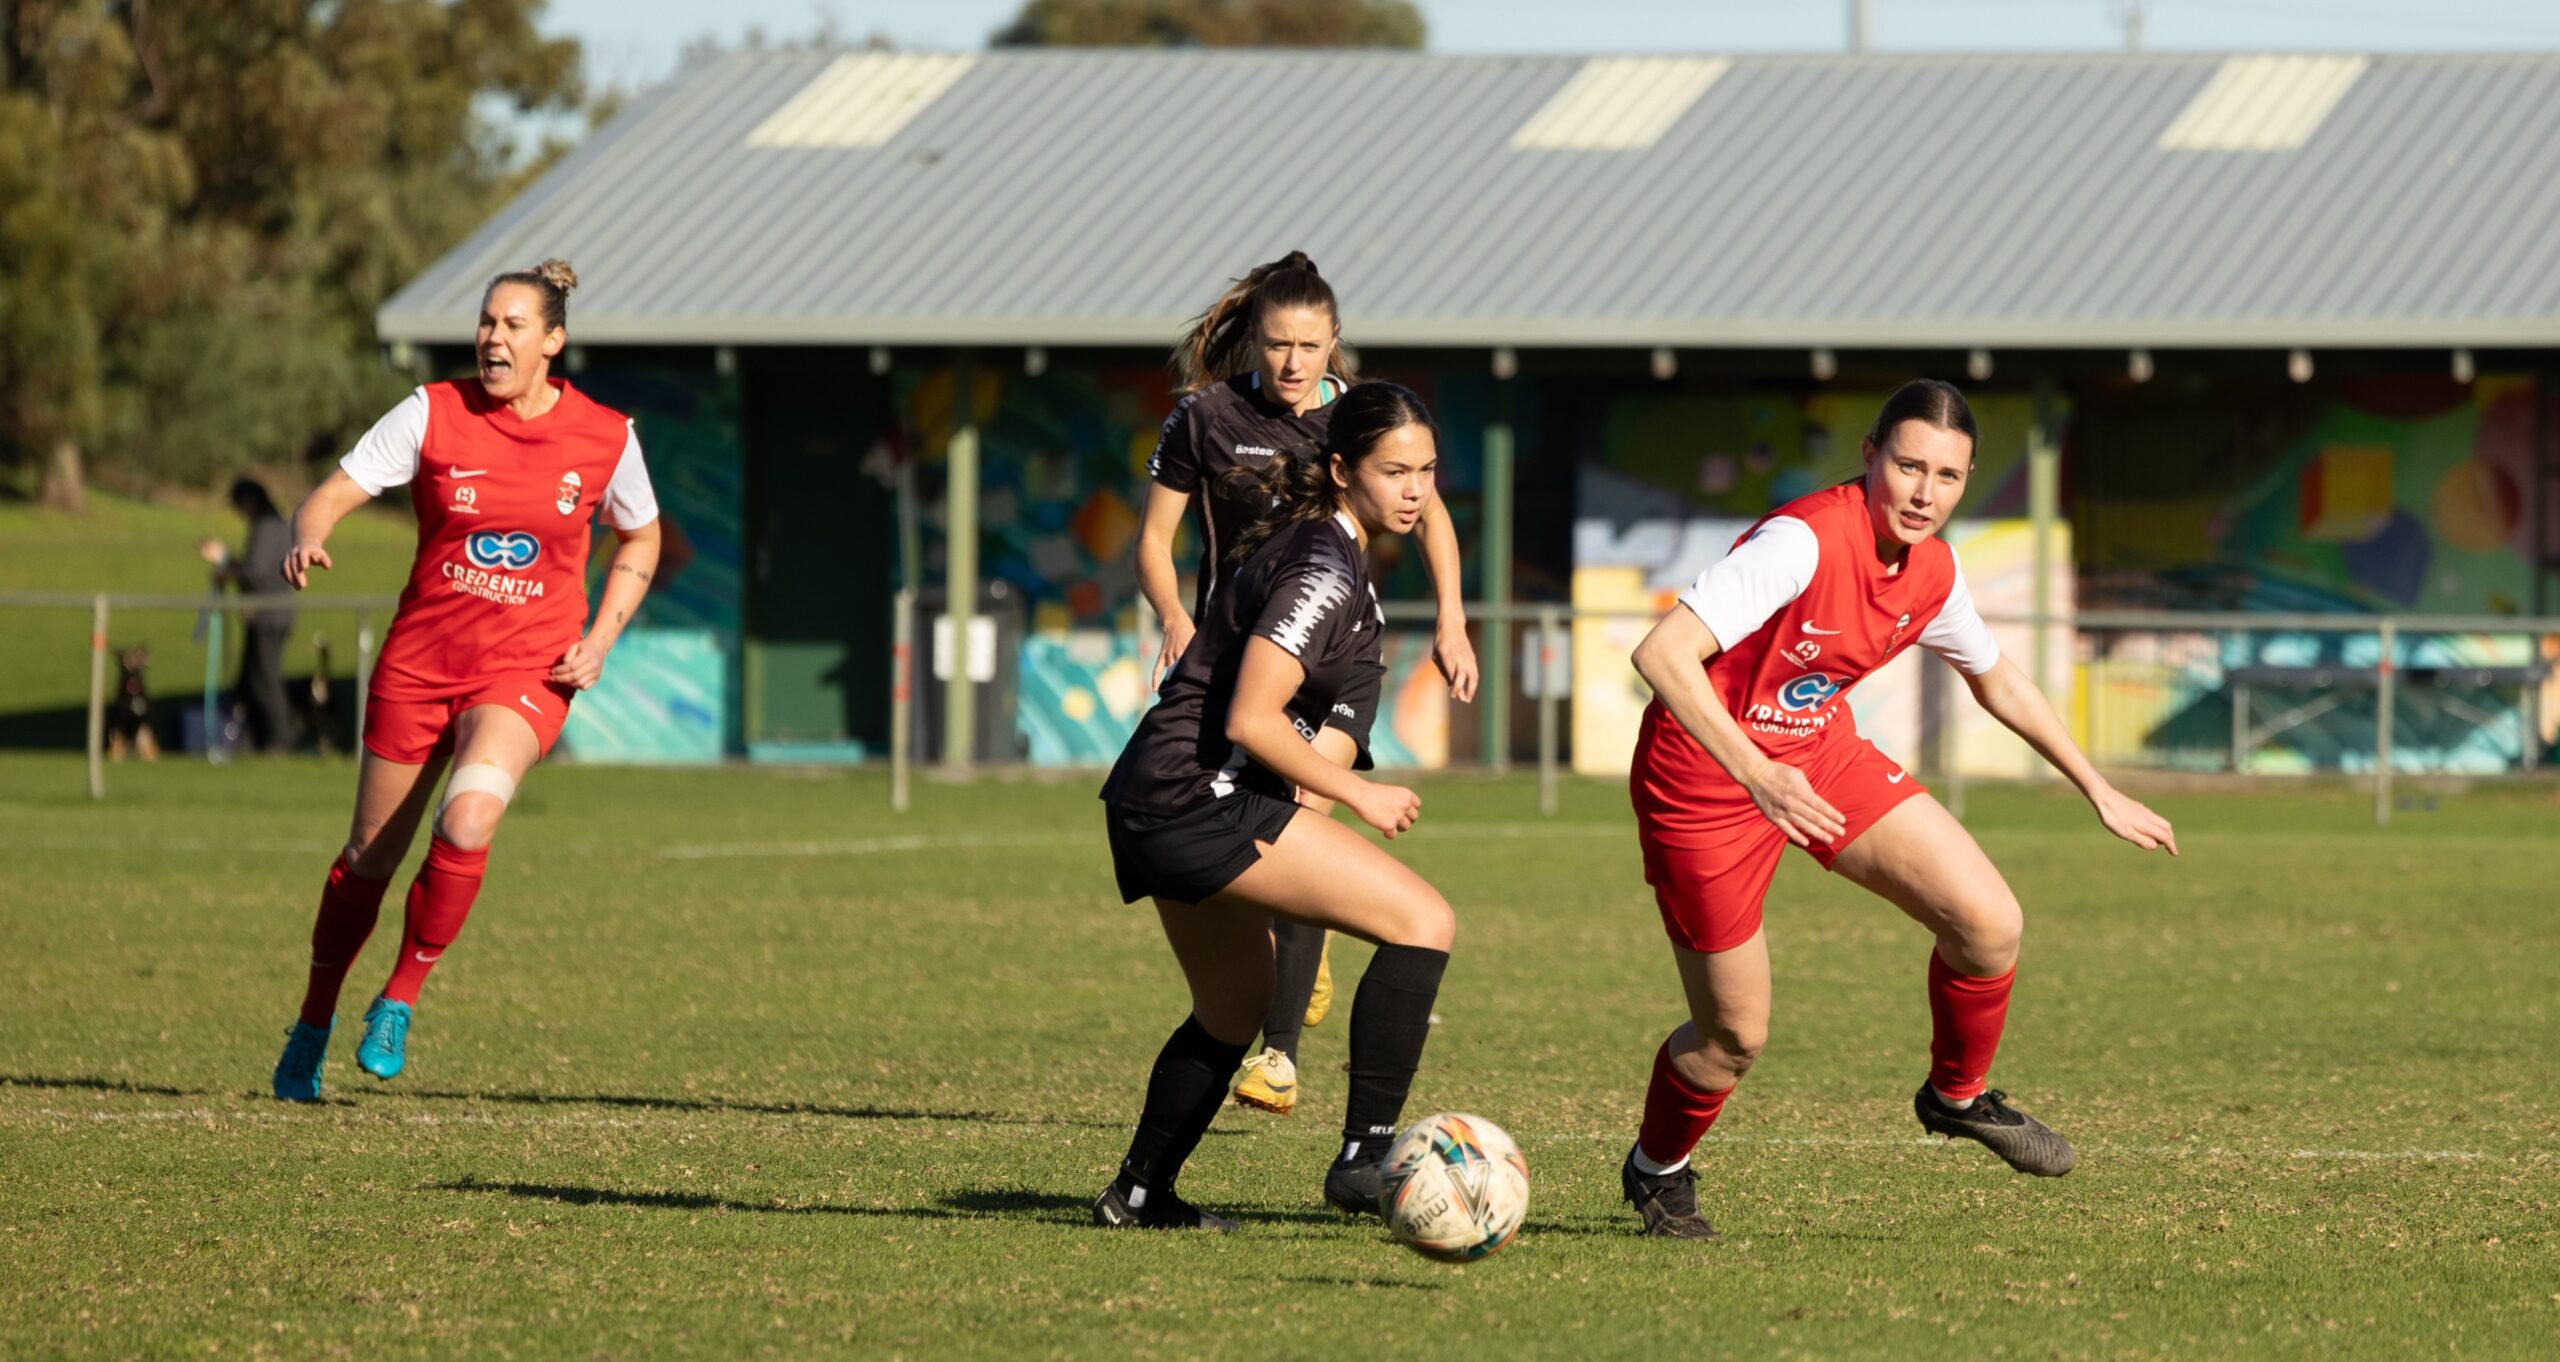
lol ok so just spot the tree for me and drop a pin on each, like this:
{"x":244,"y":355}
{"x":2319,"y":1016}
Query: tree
{"x":1213,"y":23}
{"x":201,"y":204}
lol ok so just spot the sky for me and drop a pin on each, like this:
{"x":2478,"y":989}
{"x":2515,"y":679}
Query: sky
{"x":634,"y":43}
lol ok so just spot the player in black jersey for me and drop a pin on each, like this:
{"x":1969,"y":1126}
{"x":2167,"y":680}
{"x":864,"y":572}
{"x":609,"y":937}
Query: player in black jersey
{"x":1260,"y":370}
{"x":1201,"y":817}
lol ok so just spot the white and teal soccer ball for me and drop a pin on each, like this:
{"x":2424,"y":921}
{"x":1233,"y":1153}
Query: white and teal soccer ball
{"x":1454,"y":1187}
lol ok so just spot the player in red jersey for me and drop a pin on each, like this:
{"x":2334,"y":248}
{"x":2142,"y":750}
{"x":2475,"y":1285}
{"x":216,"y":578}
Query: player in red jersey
{"x":1749,"y":744}
{"x":505,"y":472}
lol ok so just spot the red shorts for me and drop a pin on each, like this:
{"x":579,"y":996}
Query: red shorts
{"x":411,"y":731}
{"x":1709,"y":854}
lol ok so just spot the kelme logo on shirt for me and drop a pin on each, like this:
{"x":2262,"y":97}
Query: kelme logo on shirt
{"x":1808,"y":691}
{"x":501,"y":550}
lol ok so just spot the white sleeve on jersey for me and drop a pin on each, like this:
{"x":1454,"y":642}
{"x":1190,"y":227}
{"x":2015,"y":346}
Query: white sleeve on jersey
{"x":1958,"y":633}
{"x":629,"y":501}
{"x":1757,"y":580}
{"x":387,"y":456}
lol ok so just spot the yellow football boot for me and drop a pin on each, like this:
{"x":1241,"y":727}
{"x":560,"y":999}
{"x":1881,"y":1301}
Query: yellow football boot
{"x":1268,"y":1082}
{"x":1320,"y":998}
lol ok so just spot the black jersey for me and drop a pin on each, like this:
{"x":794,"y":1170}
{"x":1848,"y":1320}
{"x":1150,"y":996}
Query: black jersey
{"x":1223,"y":427}
{"x":1306,"y":590}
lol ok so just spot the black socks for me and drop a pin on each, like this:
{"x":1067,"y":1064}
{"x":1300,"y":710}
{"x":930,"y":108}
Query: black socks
{"x":1296,"y":950}
{"x":1184,"y":1092}
{"x":1390,"y":1019}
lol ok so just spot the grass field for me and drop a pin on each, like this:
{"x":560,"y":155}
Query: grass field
{"x":134,"y":546}
{"x":736,"y":1063}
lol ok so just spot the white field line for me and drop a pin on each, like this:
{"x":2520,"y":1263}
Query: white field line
{"x":587,"y":1120}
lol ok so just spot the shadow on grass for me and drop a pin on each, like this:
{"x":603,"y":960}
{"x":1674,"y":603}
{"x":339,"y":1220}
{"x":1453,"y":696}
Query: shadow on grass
{"x":716,"y":1105}
{"x":1381,"y":1283}
{"x":99,"y":1085}
{"x":1018,"y":1203}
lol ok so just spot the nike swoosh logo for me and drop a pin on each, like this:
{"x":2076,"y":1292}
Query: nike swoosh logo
{"x":468,"y":472}
{"x":1812,"y":630}
{"x":425,"y":959}
{"x":1895,"y":778}
{"x":528,"y":704}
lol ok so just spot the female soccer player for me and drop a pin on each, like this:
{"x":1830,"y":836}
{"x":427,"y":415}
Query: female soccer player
{"x":1749,"y":745}
{"x":505,"y":472}
{"x":1259,"y":371}
{"x":1201,"y":820}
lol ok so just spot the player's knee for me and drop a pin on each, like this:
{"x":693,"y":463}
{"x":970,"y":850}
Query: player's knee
{"x":469,"y":821}
{"x":1429,"y":922}
{"x":1737,"y":1045}
{"x":370,"y":855}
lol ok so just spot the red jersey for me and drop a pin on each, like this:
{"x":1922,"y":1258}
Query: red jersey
{"x":503,"y":505}
{"x":1802,"y":610}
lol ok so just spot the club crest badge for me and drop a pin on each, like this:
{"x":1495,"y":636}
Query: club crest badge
{"x":571,"y":485}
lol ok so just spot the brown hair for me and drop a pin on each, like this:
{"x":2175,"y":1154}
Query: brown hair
{"x":553,"y":279}
{"x":1924,"y":399}
{"x":1300,"y":483}
{"x":1220,"y":342}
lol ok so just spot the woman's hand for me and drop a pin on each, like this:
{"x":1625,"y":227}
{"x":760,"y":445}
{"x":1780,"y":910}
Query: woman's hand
{"x":1177,"y":637}
{"x":1389,"y":808}
{"x":1785,"y":797}
{"x":299,"y":561}
{"x":2131,"y":820}
{"x":1455,"y":655}
{"x":580,"y":667}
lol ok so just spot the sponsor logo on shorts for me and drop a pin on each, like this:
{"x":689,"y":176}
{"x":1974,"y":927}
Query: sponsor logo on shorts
{"x":529,"y":704}
{"x":1809,"y":691}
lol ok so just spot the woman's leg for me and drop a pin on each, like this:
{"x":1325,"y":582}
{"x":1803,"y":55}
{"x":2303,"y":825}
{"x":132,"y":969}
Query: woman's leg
{"x":1323,"y":874}
{"x":493,"y":747}
{"x":1225,"y":954}
{"x":1693,"y":1073}
{"x":1920,"y":859}
{"x":1298,"y":955}
{"x":391,"y":797}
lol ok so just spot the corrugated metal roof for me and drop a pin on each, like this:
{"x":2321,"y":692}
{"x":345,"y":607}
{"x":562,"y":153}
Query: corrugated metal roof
{"x":1101,"y":197}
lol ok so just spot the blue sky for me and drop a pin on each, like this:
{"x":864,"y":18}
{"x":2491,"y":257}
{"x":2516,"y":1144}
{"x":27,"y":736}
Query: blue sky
{"x":632,"y":43}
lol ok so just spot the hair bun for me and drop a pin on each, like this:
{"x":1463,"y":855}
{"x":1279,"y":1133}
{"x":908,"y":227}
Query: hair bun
{"x":558,"y":274}
{"x":1297,"y":260}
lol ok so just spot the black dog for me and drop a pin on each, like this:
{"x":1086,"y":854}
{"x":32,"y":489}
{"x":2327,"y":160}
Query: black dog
{"x":129,"y":711}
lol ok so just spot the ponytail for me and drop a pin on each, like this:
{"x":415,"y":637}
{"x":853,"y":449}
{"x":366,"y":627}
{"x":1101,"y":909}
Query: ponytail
{"x":1220,"y":342}
{"x":1299,"y":481}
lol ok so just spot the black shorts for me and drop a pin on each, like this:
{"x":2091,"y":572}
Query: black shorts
{"x":1192,"y":855}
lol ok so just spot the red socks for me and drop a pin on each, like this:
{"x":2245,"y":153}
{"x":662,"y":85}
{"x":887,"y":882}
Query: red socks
{"x":439,"y":900}
{"x":1676,"y":1116}
{"x":349,"y":904}
{"x":1965,"y":1016}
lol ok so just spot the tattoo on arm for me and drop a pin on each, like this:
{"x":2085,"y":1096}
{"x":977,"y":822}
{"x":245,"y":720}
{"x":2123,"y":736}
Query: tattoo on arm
{"x":619,"y":618}
{"x":626,"y":567}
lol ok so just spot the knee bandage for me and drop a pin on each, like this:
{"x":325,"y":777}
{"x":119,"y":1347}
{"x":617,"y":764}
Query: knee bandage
{"x":478,"y":778}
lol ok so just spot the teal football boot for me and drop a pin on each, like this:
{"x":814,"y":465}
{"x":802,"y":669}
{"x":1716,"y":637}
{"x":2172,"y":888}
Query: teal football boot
{"x":306,"y":1048}
{"x":385,"y":1050}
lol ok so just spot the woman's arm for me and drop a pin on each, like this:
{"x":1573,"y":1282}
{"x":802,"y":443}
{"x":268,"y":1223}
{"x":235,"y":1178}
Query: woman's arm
{"x":318,"y":514}
{"x":635,"y":560}
{"x":1258,"y":722}
{"x":1672,"y":659}
{"x":2007,"y":694}
{"x":1157,"y":580}
{"x":1450,"y":648}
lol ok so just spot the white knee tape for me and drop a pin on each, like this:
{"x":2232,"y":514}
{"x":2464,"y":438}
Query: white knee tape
{"x":478,"y":778}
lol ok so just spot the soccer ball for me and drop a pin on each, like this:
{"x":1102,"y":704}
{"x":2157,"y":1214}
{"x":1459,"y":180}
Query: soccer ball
{"x":1454,"y":1187}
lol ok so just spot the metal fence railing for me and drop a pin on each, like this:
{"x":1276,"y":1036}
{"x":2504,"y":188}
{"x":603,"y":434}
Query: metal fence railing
{"x":212,"y":610}
{"x":2252,"y":655}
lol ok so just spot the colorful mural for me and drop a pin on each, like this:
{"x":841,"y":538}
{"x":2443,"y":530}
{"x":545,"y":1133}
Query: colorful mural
{"x":1062,"y":479}
{"x":670,"y":692}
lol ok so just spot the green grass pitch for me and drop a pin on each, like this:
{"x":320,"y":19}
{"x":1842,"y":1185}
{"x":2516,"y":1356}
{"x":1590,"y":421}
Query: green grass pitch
{"x":737,"y":1063}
